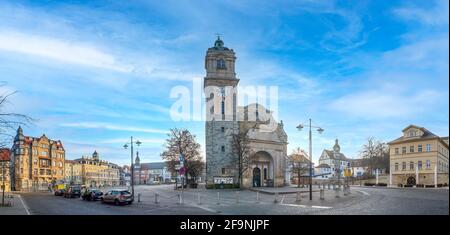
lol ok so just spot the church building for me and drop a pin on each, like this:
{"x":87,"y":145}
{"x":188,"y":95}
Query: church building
{"x":266,"y":164}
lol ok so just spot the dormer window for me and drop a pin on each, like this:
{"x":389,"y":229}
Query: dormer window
{"x":221,"y":64}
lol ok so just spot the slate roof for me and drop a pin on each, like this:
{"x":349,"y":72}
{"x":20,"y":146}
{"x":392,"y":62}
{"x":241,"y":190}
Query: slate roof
{"x":427,"y":135}
{"x":5,"y":154}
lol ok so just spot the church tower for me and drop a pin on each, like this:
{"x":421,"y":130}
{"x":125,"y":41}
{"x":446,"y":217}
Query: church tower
{"x":220,"y":87}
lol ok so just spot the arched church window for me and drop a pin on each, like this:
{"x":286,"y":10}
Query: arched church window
{"x":221,"y":64}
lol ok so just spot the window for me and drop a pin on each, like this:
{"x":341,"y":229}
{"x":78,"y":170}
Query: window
{"x":222,"y":129}
{"x":403,"y":150}
{"x":428,"y":147}
{"x":428,"y":164}
{"x":396,"y":166}
{"x":419,"y":148}
{"x":411,"y":165}
{"x":396,"y":150}
{"x":403,"y":166}
{"x":35,"y":171}
{"x":411,"y":149}
{"x":43,"y":153}
{"x":221,"y":64}
{"x":35,"y":161}
{"x":223,"y":171}
{"x":223,"y":148}
{"x":419,"y":165}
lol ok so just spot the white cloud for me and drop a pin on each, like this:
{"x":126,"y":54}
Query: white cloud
{"x":59,"y":50}
{"x":107,"y":126}
{"x":374,"y":104}
{"x":437,"y":15}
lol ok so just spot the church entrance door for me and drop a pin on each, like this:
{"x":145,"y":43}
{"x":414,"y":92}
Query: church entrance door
{"x":411,"y":181}
{"x":256,"y":177}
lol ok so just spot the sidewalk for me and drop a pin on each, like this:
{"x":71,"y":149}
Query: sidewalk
{"x":18,"y":206}
{"x":396,"y":187}
{"x":283,"y":190}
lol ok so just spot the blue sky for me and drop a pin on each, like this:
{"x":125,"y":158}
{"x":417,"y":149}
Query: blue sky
{"x":94,"y":73}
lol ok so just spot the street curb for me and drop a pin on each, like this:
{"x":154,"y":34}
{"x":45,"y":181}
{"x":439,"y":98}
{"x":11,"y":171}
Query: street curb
{"x":280,"y":193}
{"x":357,"y":186}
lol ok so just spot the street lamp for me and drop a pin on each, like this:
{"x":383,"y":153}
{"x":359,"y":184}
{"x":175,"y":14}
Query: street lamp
{"x":320,"y":130}
{"x":138,"y":143}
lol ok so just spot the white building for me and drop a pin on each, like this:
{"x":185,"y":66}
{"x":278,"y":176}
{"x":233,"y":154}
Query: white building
{"x":331,"y":162}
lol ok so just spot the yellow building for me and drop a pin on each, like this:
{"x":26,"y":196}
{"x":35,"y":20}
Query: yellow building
{"x":418,"y":157}
{"x":73,"y":172}
{"x":96,"y":172}
{"x":5,"y":179}
{"x":36,"y":162}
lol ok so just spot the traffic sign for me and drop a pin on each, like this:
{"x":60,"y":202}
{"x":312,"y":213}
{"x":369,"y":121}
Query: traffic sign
{"x":182,"y":170}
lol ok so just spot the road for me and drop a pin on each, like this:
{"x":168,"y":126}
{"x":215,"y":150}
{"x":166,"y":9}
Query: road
{"x":382,"y":201}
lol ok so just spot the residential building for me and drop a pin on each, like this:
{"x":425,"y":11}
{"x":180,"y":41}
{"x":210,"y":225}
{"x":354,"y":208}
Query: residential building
{"x":298,"y":163}
{"x":73,"y":172}
{"x":151,"y":173}
{"x":98,"y":173}
{"x":5,"y":176}
{"x":418,"y":156}
{"x":36,"y":162}
{"x":332,"y":161}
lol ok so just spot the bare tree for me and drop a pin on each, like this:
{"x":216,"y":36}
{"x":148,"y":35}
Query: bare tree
{"x":181,"y":141}
{"x":299,"y":164}
{"x":242,"y":151}
{"x":9,"y":121}
{"x":375,"y":154}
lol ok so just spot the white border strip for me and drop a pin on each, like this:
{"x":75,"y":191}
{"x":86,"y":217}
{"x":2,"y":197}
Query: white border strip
{"x":24,"y":205}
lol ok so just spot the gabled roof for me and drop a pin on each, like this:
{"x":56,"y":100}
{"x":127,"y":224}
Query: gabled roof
{"x":153,"y":165}
{"x":427,"y":135}
{"x":323,"y":165}
{"x":335,"y":156}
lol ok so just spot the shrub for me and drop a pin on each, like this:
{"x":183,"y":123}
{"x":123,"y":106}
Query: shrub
{"x":439,"y":185}
{"x":408,"y":185}
{"x":445,"y":184}
{"x":369,"y":184}
{"x":429,"y":186}
{"x":382,"y":184}
{"x":400,"y":185}
{"x":420,"y":185}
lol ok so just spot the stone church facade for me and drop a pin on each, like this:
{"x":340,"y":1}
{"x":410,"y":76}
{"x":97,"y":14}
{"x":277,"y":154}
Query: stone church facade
{"x":266,"y":138}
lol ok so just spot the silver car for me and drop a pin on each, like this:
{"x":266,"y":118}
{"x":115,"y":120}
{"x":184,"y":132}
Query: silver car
{"x":118,"y":197}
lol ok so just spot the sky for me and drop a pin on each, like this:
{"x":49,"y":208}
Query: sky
{"x":94,"y":73}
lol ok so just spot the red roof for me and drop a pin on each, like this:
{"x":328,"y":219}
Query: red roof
{"x":4,"y":154}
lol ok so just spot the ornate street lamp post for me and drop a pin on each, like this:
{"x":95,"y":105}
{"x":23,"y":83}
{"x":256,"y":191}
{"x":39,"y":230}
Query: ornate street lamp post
{"x":138,"y":143}
{"x":320,"y":130}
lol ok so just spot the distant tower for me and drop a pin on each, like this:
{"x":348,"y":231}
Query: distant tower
{"x":220,"y":87}
{"x":137,"y":166}
{"x":95,"y":156}
{"x":336,"y":146}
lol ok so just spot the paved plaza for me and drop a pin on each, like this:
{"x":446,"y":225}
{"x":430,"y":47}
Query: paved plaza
{"x":361,"y":200}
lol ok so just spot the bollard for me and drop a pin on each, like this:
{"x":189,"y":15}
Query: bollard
{"x":322,"y":194}
{"x":198,"y":199}
{"x":334,"y":187}
{"x":329,"y":185}
{"x":139,"y":197}
{"x":297,"y":199}
{"x":323,"y":185}
{"x":276,"y":198}
{"x":345,"y":190}
{"x":336,"y":191}
{"x":319,"y":186}
{"x":257,"y":197}
{"x":218,"y":198}
{"x":237,"y":197}
{"x":282,"y":199}
{"x":179,"y":199}
{"x":156,"y":198}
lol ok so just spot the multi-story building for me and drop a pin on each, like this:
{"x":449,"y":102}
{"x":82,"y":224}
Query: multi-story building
{"x":36,"y":162}
{"x":97,"y":173}
{"x":331,"y":162}
{"x":418,"y":157}
{"x":5,"y":179}
{"x":73,"y":172}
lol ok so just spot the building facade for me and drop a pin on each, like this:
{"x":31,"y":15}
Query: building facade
{"x":224,"y":119}
{"x":5,"y":176}
{"x":36,"y":162}
{"x":73,"y":172}
{"x":98,"y":173}
{"x":418,"y":157}
{"x":332,"y":163}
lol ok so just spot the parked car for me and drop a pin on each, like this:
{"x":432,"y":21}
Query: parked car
{"x":118,"y":197}
{"x":59,"y":192}
{"x":91,"y":194}
{"x":72,"y":191}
